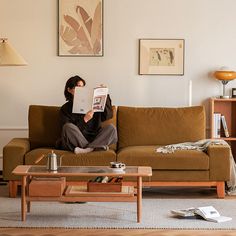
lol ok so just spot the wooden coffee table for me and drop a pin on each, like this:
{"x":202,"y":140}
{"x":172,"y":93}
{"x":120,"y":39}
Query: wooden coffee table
{"x":28,"y":171}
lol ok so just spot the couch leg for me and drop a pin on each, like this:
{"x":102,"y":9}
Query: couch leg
{"x":13,"y":188}
{"x":220,"y":189}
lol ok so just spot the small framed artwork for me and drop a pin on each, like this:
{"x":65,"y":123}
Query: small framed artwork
{"x":161,"y":56}
{"x":80,"y":27}
{"x":233,"y":92}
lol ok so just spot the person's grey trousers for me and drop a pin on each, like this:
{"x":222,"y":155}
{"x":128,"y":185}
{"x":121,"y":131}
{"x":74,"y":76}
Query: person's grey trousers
{"x":72,"y":137}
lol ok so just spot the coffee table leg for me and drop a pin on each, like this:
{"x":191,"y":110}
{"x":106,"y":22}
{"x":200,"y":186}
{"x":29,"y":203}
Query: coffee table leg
{"x":139,"y":199}
{"x":23,"y":198}
{"x":27,"y":193}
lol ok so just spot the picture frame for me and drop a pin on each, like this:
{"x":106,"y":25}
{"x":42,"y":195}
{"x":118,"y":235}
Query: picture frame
{"x":161,"y":56}
{"x":80,"y":28}
{"x":233,"y":93}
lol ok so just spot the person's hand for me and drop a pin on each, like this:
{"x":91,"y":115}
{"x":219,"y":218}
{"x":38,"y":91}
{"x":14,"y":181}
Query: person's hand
{"x":88,"y":116}
{"x":102,"y":86}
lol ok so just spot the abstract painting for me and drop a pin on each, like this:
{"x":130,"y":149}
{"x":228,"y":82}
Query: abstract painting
{"x":161,"y":56}
{"x":80,"y":28}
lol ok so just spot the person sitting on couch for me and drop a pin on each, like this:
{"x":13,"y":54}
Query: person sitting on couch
{"x":82,"y":133}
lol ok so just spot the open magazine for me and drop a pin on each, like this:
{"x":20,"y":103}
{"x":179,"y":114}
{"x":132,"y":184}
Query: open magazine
{"x":86,"y":99}
{"x":209,"y":213}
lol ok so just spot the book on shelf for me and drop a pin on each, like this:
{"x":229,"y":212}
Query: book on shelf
{"x":208,"y":213}
{"x":86,"y":99}
{"x":216,"y":125}
{"x":225,"y":127}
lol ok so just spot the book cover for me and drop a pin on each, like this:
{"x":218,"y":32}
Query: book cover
{"x":216,"y":125}
{"x":86,"y":99}
{"x":225,"y":127}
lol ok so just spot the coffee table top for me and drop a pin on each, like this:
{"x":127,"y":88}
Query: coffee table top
{"x":36,"y":170}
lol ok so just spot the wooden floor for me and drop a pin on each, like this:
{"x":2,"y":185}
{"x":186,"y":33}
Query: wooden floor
{"x":167,"y":193}
{"x":117,"y":232}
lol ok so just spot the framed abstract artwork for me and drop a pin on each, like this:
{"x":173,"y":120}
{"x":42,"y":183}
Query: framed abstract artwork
{"x":161,"y":56}
{"x":80,"y":27}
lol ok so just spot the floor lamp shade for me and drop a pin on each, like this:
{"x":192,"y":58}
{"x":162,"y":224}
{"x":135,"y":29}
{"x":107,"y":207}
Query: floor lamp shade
{"x":9,"y":56}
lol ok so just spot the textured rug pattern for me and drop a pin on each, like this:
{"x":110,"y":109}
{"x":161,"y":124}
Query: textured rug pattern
{"x":155,"y":214}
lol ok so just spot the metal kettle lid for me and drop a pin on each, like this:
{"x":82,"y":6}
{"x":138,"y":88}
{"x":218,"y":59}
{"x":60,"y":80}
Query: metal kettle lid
{"x":52,"y":154}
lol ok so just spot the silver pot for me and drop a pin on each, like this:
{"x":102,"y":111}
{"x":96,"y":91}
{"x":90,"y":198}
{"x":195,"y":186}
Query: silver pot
{"x":53,"y":161}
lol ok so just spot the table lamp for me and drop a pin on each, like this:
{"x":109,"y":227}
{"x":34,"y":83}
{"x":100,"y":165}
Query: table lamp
{"x":225,"y":76}
{"x":9,"y":56}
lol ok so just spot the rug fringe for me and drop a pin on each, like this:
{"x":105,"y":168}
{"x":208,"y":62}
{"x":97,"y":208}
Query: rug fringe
{"x":129,"y":228}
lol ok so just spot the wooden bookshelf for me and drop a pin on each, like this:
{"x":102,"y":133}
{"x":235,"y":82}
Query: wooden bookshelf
{"x":226,"y":107}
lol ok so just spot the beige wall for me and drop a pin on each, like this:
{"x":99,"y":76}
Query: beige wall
{"x":31,"y":26}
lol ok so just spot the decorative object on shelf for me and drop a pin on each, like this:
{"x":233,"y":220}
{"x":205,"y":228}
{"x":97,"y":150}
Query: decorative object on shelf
{"x":161,"y":56}
{"x":9,"y":56}
{"x":80,"y":28}
{"x":225,"y":76}
{"x":233,"y":92}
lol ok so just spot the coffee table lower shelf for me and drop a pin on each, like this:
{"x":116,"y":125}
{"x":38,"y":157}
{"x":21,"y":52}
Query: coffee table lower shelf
{"x":80,"y":193}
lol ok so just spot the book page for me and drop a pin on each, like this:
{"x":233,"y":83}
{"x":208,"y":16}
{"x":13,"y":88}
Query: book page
{"x":208,"y":212}
{"x":211,"y":214}
{"x":83,"y":100}
{"x":99,"y":99}
{"x":184,"y":212}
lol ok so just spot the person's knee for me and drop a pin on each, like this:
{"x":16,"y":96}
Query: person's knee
{"x":67,"y":127}
{"x":112,"y":130}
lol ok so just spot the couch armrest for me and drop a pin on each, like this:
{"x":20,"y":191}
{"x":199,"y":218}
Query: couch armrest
{"x":13,"y":155}
{"x":219,"y":158}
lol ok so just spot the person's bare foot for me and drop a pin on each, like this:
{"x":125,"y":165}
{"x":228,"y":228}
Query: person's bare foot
{"x":78,"y":150}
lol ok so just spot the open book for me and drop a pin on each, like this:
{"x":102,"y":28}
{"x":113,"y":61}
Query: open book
{"x":86,"y":99}
{"x":209,"y":213}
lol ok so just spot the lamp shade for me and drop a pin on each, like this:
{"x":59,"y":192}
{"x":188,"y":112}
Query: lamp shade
{"x":225,"y":75}
{"x":9,"y":56}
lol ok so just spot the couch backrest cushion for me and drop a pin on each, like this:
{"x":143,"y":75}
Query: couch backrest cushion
{"x":44,"y":125}
{"x":159,"y":126}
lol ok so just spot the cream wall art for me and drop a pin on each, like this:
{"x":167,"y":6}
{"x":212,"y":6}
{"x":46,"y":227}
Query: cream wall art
{"x":161,"y":56}
{"x":80,"y":27}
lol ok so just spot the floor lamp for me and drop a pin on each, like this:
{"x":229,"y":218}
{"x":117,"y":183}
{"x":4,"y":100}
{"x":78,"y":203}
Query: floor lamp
{"x":9,"y":56}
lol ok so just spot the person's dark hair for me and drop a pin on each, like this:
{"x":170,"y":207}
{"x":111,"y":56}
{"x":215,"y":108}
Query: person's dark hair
{"x":71,"y":83}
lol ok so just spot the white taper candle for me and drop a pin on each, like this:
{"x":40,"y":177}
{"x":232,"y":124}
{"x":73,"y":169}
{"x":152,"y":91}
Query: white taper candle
{"x":190,"y":93}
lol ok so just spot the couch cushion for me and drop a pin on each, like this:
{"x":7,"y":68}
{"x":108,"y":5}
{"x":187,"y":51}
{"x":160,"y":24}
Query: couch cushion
{"x":44,"y":125}
{"x":152,"y":126}
{"x":98,"y":158}
{"x":179,"y":160}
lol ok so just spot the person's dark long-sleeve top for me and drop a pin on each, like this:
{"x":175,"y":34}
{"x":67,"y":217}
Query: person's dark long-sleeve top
{"x":92,"y":127}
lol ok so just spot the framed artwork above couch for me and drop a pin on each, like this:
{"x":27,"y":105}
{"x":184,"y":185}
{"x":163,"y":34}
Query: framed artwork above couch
{"x":161,"y":56}
{"x":80,"y":28}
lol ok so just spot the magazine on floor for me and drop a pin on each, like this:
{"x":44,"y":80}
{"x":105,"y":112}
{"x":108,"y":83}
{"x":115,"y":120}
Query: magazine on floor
{"x":86,"y":99}
{"x":208,"y":213}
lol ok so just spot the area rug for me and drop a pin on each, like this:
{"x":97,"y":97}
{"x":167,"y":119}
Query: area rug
{"x":155,"y":214}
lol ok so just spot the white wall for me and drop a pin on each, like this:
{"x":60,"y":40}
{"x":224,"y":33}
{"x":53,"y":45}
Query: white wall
{"x":31,"y":26}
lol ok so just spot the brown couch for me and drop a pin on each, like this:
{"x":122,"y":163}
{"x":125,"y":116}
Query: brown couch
{"x":140,"y":132}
